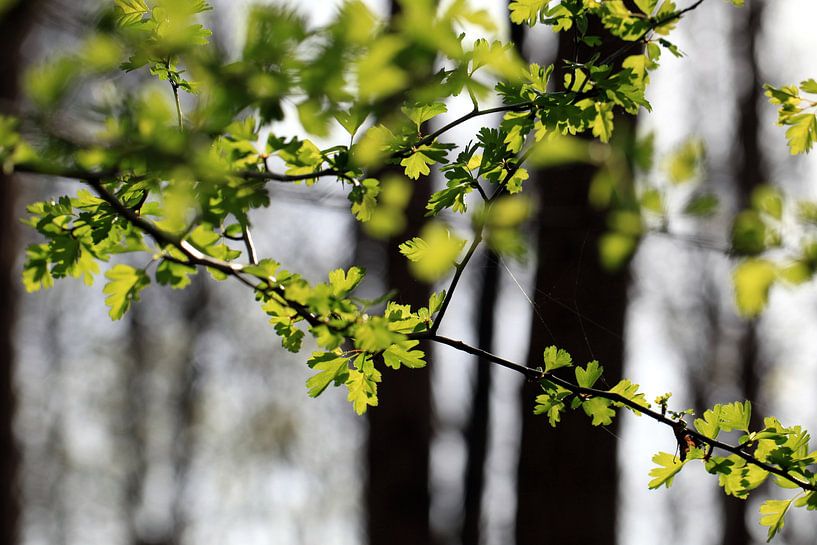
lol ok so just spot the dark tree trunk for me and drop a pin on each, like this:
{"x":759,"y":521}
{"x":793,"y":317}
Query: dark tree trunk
{"x":397,"y":493}
{"x":135,"y":420}
{"x":14,"y":25}
{"x":197,"y":315}
{"x":476,"y":434}
{"x":567,"y":476}
{"x":750,"y":172}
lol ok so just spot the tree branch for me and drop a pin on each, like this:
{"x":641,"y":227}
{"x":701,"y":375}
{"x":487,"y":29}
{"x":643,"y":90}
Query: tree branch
{"x":539,"y":374}
{"x":193,"y":254}
{"x":460,"y":120}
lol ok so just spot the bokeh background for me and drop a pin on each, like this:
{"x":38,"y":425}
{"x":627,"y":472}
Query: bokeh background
{"x":187,"y":423}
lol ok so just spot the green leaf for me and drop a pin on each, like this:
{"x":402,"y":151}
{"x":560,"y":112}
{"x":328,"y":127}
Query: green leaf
{"x":555,"y":358}
{"x":352,"y":119}
{"x":416,"y":164}
{"x":374,"y":335}
{"x":435,"y":302}
{"x":750,"y":236}
{"x":123,"y":287}
{"x":769,"y":200}
{"x":345,"y":282}
{"x":377,"y":75}
{"x":773,"y":513}
{"x":809,"y":86}
{"x":421,"y":113}
{"x":802,"y":133}
{"x":736,"y":416}
{"x":668,"y":467}
{"x":740,"y":478}
{"x":646,"y":6}
{"x":602,"y":124}
{"x":362,"y":384}
{"x":616,"y":249}
{"x":331,"y":367}
{"x":173,"y":274}
{"x":551,"y":405}
{"x":599,"y":409}
{"x":587,"y":377}
{"x":132,"y":11}
{"x":702,"y":205}
{"x":628,"y":390}
{"x":809,"y":501}
{"x":402,"y":354}
{"x":526,"y":11}
{"x":685,"y":163}
{"x":514,"y":183}
{"x":36,"y":275}
{"x":434,"y":253}
{"x":753,"y":278}
{"x":709,"y":425}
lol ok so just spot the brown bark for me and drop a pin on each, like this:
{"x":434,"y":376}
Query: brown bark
{"x":14,"y":25}
{"x":567,"y":476}
{"x":750,"y":172}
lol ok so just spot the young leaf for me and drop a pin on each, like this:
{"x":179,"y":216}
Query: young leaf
{"x":433,"y":254}
{"x":551,"y":405}
{"x":362,"y":384}
{"x":344,"y":282}
{"x":587,"y":377}
{"x":123,"y":287}
{"x":421,"y":113}
{"x":555,"y":358}
{"x":802,"y":133}
{"x":416,"y":165}
{"x":668,"y":467}
{"x":709,"y":425}
{"x":132,"y":11}
{"x":753,"y":278}
{"x":773,"y":513}
{"x":599,"y":409}
{"x":526,"y":11}
{"x":603,"y":122}
{"x":173,"y":274}
{"x":402,"y":354}
{"x":331,"y":367}
{"x":736,"y":416}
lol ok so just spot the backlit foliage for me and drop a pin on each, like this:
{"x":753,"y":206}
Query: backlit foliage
{"x":178,"y":185}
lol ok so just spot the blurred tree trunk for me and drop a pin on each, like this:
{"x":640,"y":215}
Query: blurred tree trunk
{"x":567,"y":476}
{"x":477,"y":431}
{"x":15,"y":23}
{"x":198,"y":316}
{"x":397,"y":492}
{"x":135,"y":390}
{"x":750,"y":172}
{"x":184,"y":373}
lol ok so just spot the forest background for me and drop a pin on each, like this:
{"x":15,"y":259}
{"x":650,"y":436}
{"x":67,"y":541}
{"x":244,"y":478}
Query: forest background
{"x":188,"y":423}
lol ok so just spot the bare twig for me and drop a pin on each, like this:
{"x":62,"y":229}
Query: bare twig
{"x":248,"y":242}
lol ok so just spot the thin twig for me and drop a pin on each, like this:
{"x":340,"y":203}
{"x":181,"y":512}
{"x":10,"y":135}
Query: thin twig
{"x":460,"y":120}
{"x":460,"y":267}
{"x":178,"y":105}
{"x":248,"y":242}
